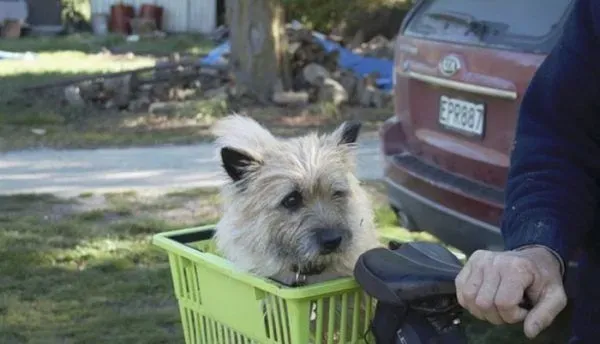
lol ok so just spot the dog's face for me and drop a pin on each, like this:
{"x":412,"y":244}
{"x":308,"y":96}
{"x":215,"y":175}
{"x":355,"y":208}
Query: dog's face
{"x":291,"y":204}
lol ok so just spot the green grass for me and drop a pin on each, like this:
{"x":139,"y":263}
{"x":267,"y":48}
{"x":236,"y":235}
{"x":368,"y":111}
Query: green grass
{"x":87,"y":276}
{"x":74,"y":273}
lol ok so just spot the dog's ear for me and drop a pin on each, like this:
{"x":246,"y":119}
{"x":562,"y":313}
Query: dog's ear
{"x":236,"y":163}
{"x":348,"y":132}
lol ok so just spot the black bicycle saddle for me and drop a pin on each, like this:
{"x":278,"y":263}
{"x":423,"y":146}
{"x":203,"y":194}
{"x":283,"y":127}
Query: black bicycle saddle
{"x":412,"y":272}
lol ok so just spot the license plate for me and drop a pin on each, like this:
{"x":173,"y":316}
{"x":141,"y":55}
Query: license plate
{"x":459,"y":115}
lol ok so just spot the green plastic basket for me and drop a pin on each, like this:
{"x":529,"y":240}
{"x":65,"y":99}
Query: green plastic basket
{"x":220,"y":304}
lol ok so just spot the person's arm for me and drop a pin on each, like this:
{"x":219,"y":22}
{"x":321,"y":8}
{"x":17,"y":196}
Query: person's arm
{"x":552,"y":190}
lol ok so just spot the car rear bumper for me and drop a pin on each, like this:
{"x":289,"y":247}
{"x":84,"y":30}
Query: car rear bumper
{"x":459,"y":230}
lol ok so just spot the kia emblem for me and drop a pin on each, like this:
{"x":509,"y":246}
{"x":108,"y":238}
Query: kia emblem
{"x":449,"y":65}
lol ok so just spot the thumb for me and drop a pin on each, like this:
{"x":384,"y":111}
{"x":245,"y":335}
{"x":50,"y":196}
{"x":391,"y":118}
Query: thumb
{"x":549,"y":305}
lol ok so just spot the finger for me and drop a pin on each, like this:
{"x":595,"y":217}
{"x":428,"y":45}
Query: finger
{"x":549,"y":305}
{"x":470,"y":291}
{"x":486,"y":296}
{"x":459,"y":283}
{"x":510,"y":294}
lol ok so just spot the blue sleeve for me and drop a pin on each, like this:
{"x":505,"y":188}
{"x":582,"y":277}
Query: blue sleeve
{"x":552,"y":190}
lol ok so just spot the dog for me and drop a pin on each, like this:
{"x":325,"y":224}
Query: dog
{"x":293,"y":210}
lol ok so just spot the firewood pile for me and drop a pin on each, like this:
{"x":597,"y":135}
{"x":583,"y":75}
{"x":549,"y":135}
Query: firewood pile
{"x":317,"y":77}
{"x":171,"y":80}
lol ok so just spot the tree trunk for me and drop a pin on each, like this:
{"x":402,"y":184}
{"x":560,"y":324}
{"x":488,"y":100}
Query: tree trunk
{"x":258,"y":57}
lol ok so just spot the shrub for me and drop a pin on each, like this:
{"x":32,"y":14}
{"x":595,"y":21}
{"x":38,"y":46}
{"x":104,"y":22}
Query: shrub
{"x":378,"y":16}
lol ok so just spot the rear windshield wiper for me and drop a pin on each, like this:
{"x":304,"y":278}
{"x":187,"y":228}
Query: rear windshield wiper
{"x":478,"y":27}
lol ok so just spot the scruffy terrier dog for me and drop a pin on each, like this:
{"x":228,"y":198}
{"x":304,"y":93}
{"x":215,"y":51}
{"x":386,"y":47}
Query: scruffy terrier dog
{"x":293,"y":209}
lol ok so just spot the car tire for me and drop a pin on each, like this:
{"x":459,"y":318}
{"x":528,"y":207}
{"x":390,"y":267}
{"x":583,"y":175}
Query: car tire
{"x":404,"y":220}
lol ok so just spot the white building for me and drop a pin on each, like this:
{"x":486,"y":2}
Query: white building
{"x":178,"y":15}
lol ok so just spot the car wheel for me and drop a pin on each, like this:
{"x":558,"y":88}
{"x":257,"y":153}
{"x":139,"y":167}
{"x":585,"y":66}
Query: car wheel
{"x":404,"y":220}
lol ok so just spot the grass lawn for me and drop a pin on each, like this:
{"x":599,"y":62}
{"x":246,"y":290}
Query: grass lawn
{"x":82,"y":270}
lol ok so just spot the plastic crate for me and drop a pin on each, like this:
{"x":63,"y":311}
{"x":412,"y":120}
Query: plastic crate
{"x":220,"y":304}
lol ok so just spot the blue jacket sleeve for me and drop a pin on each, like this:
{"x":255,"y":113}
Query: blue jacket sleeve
{"x":552,"y":187}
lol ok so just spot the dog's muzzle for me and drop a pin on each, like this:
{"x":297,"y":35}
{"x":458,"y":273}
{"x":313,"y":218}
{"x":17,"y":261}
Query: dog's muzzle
{"x":329,"y":239}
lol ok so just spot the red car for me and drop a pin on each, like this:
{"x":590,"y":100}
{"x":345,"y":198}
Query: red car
{"x":460,"y":71}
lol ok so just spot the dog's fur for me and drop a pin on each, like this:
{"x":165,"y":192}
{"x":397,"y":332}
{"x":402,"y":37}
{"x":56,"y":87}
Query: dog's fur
{"x":315,"y":173}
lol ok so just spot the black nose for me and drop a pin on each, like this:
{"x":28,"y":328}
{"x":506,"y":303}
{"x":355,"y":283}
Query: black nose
{"x":329,"y":240}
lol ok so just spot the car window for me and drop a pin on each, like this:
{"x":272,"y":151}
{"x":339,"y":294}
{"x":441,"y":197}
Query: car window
{"x":531,"y":25}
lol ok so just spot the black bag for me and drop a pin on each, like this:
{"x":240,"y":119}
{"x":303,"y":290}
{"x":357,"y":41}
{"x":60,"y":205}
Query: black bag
{"x":415,"y":292}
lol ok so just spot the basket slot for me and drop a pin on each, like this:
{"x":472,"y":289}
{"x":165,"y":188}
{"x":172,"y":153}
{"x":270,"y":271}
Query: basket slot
{"x":269,"y":322}
{"x":368,"y":313}
{"x":205,"y":331}
{"x":190,"y":325}
{"x":283,"y":313}
{"x":319,"y":320}
{"x":230,"y":336}
{"x":344,"y":319}
{"x":191,"y":332}
{"x":355,"y":316}
{"x":213,"y":332}
{"x":221,"y":334}
{"x":277,"y":320}
{"x":218,"y":335}
{"x":197,"y":326}
{"x":190,"y":288}
{"x":331,"y":321}
{"x":183,"y":312}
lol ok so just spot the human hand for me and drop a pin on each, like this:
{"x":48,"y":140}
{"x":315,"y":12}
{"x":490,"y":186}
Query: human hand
{"x":491,"y":286}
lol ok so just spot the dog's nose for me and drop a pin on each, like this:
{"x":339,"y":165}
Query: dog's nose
{"x":329,"y":240}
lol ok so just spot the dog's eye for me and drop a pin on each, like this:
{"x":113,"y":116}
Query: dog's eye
{"x":292,"y":201}
{"x":339,"y":194}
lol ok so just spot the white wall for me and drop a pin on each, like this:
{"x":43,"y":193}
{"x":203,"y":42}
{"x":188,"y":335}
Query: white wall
{"x":178,"y":15}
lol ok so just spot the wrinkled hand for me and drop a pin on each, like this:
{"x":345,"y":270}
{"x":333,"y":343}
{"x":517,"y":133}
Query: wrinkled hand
{"x":493,"y":284}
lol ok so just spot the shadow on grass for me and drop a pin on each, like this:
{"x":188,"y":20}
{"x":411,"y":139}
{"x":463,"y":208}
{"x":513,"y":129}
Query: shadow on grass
{"x":69,"y":277}
{"x":112,"y":301}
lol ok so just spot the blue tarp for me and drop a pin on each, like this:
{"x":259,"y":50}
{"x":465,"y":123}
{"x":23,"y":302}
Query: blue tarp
{"x":360,"y":65}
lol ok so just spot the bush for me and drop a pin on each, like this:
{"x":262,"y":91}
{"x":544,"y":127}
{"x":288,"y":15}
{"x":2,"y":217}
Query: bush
{"x":372,"y":16}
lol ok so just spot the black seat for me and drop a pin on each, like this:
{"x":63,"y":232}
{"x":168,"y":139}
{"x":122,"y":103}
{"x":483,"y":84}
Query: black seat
{"x":415,"y":271}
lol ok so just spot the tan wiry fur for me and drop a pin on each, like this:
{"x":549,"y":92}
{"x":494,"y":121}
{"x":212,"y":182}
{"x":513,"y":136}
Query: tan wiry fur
{"x":260,"y":236}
